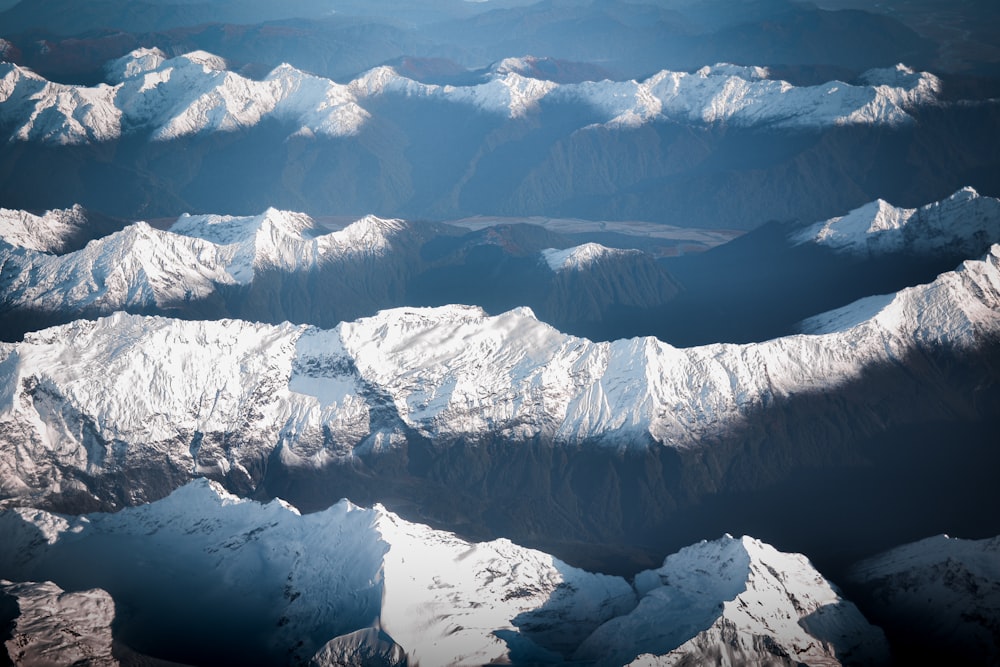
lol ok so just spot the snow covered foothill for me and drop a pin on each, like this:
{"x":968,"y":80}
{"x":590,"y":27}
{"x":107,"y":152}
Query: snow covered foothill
{"x":195,"y":93}
{"x":964,"y":223}
{"x":204,"y":566}
{"x":580,"y":257}
{"x":941,"y":593}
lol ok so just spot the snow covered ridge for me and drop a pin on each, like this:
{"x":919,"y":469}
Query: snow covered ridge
{"x":944,"y":591}
{"x":963,"y":223}
{"x":195,"y":93}
{"x":48,"y":232}
{"x":127,"y":392}
{"x":349,"y":581}
{"x":141,"y":266}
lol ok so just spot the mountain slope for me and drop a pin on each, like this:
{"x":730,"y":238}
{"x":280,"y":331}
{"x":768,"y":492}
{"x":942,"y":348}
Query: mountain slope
{"x":963,"y":224}
{"x":269,"y":585}
{"x":937,"y":598}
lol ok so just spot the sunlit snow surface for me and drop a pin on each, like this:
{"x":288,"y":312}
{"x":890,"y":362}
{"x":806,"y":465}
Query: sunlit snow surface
{"x":144,"y":266}
{"x":321,"y":580}
{"x":195,"y":93}
{"x":957,"y":224}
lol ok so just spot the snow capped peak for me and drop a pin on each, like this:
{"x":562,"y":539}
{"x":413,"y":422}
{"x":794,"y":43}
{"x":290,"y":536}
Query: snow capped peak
{"x":134,"y":64}
{"x":964,"y":223}
{"x":942,"y":308}
{"x":368,"y":234}
{"x":195,"y":93}
{"x":140,"y":266}
{"x":48,"y":232}
{"x":747,"y":72}
{"x":739,"y":592}
{"x":580,"y":257}
{"x":514,"y":65}
{"x":228,"y":229}
{"x":377,"y":80}
{"x":208,"y":61}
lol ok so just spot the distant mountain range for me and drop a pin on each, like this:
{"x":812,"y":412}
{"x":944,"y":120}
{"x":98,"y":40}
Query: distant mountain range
{"x":724,"y":147}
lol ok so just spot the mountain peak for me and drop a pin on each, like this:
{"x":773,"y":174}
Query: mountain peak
{"x":742,"y":593}
{"x":959,"y":223}
{"x":580,"y":257}
{"x":49,"y":232}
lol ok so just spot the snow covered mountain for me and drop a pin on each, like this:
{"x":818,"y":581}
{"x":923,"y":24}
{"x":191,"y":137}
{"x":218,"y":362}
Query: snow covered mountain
{"x":50,"y":232}
{"x":965,"y":223}
{"x":939,"y":597}
{"x":195,"y":94}
{"x":347,"y":582}
{"x":197,"y":267}
{"x":736,"y":602}
{"x":280,"y":266}
{"x":122,"y":410}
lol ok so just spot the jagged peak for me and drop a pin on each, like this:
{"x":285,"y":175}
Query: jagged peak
{"x":368,"y":233}
{"x":747,"y":72}
{"x":230,"y":229}
{"x":376,"y":80}
{"x":135,"y":63}
{"x":48,"y":232}
{"x":878,"y":227}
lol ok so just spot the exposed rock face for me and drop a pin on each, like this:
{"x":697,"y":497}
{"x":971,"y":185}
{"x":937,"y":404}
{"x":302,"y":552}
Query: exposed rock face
{"x":54,"y":627}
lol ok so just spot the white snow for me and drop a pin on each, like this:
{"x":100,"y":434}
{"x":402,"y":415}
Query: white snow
{"x":964,"y":222}
{"x":325,"y":575}
{"x":195,"y":93}
{"x":347,"y":582}
{"x":48,"y":232}
{"x":581,"y":256}
{"x":141,"y":266}
{"x":734,"y":593}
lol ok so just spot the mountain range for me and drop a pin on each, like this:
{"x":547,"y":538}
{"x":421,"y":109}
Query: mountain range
{"x":461,"y":414}
{"x":531,"y":332}
{"x":355,"y":586}
{"x":183,"y":133}
{"x":280,"y":266}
